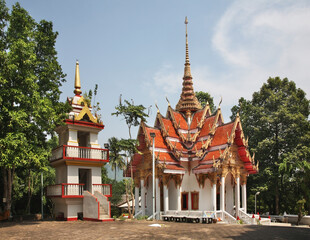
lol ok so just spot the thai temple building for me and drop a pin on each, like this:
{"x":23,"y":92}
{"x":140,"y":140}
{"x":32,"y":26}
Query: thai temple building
{"x":201,"y":163}
{"x":79,"y":192}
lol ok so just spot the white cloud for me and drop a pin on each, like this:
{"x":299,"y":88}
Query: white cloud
{"x":167,"y":81}
{"x":256,"y":40}
{"x":262,"y":39}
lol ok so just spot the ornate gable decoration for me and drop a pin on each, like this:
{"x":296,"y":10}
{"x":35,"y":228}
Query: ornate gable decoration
{"x":86,"y":112}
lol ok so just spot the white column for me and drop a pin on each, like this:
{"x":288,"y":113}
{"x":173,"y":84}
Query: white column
{"x":179,"y":189}
{"x":166,"y":199}
{"x":157,"y":197}
{"x":244,"y":205}
{"x":223,"y":196}
{"x":137,"y":200}
{"x":142,"y":197}
{"x":214,"y":196}
{"x":237,"y":196}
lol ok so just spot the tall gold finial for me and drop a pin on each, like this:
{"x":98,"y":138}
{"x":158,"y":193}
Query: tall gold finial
{"x":188,"y":101}
{"x":77,"y":83}
{"x":186,"y":54}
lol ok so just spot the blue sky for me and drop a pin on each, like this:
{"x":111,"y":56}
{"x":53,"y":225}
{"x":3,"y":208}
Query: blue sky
{"x":137,"y":48}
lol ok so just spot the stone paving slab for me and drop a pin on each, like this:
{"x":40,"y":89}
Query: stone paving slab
{"x":142,"y":230}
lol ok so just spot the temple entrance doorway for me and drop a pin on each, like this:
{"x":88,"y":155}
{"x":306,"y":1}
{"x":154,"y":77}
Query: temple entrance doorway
{"x":85,"y":178}
{"x":184,"y":201}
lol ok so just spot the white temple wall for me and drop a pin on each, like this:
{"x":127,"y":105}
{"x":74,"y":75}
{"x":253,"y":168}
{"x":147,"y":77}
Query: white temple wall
{"x":93,"y":137}
{"x":61,"y":174}
{"x":173,"y":196}
{"x":229,"y":196}
{"x":74,"y":207}
{"x":73,"y":138}
{"x":189,"y":183}
{"x":69,"y":207}
{"x":205,"y":197}
{"x":96,"y":175}
{"x":72,"y":174}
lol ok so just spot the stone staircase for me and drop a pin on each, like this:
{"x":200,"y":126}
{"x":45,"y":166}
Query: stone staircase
{"x":96,"y":207}
{"x":102,"y":214}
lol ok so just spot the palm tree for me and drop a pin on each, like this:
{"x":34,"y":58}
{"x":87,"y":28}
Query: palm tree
{"x":116,"y":158}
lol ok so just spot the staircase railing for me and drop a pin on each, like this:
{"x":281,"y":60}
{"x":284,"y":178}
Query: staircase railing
{"x":228,"y":217}
{"x":103,"y":200}
{"x":138,"y":213}
{"x":245,"y":217}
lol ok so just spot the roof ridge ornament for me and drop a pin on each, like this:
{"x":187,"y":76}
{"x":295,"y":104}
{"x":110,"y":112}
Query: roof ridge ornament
{"x":188,"y":102}
{"x":77,"y":82}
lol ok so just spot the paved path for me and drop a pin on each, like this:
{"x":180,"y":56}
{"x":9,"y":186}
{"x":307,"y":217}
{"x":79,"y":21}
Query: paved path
{"x":142,"y":230}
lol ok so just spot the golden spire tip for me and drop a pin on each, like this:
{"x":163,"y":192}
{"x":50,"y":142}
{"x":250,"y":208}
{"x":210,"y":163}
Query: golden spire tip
{"x":77,"y":82}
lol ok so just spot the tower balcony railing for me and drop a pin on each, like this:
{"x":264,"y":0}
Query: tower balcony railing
{"x":65,"y":190}
{"x":79,"y":153}
{"x":104,"y":189}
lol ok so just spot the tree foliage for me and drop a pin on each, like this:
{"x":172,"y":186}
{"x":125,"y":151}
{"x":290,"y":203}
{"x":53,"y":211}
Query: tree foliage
{"x":204,"y":98}
{"x":132,"y":113}
{"x":116,"y":159}
{"x":30,"y":77}
{"x":277,"y":122}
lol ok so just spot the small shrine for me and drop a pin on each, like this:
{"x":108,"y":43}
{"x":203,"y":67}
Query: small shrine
{"x":79,"y":192}
{"x":201,"y":163}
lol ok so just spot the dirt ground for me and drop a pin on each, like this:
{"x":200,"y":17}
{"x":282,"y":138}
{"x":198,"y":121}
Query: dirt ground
{"x":141,"y":230}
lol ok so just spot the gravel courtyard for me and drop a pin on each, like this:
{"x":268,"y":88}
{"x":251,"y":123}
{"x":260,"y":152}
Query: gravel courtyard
{"x":142,"y":230}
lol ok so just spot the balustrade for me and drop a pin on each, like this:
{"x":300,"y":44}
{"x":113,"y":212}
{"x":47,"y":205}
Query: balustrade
{"x":76,"y":152}
{"x":65,"y":190}
{"x":104,"y":189}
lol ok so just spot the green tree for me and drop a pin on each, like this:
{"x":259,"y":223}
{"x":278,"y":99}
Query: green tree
{"x":277,"y":121}
{"x":204,"y":98}
{"x":132,"y":113}
{"x":115,"y":155}
{"x":30,"y":78}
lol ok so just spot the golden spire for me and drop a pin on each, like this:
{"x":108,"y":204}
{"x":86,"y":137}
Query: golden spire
{"x":187,"y":69}
{"x":188,"y":101}
{"x":77,"y":83}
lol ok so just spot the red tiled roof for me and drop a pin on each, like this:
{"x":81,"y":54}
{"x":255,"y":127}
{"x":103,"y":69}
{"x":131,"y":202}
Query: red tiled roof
{"x":197,"y":146}
{"x":178,"y":145}
{"x":196,"y":119}
{"x":165,"y":157}
{"x":169,"y":126}
{"x":174,"y":167}
{"x":209,"y":156}
{"x":207,"y":125}
{"x":180,"y":120}
{"x":159,"y":140}
{"x":221,"y":133}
